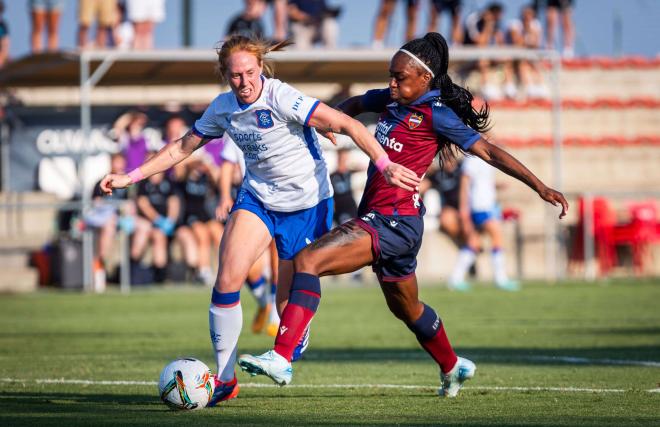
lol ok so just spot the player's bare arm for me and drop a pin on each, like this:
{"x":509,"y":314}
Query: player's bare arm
{"x":508,"y":164}
{"x":168,"y":156}
{"x":351,"y":106}
{"x":328,"y":119}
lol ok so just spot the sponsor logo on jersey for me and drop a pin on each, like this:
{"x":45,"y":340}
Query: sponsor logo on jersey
{"x":382,"y":131}
{"x":299,"y":101}
{"x":415,"y":120}
{"x":264,"y":119}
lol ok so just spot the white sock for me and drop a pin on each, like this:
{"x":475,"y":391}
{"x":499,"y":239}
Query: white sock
{"x":258,"y":290}
{"x":225,"y":326}
{"x":499,"y":266}
{"x":466,"y":257}
{"x":273,"y":317}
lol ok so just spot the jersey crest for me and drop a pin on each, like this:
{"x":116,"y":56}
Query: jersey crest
{"x":415,"y":120}
{"x":264,"y":119}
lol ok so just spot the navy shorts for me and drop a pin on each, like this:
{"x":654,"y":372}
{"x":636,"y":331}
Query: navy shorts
{"x":292,"y":231}
{"x":395,"y":241}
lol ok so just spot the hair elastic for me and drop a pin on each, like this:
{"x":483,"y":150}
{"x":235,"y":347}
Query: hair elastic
{"x":419,"y":61}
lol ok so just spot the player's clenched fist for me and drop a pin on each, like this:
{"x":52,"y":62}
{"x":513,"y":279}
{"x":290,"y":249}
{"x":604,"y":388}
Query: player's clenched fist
{"x":113,"y":180}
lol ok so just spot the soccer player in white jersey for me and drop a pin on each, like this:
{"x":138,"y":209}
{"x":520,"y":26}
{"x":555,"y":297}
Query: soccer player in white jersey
{"x":286,"y":193}
{"x":479,"y":213}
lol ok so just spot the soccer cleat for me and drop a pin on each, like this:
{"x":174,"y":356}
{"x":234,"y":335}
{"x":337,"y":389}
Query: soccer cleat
{"x":509,"y":285}
{"x":223,"y":391}
{"x":260,"y":319}
{"x":301,"y":347}
{"x":460,"y":286}
{"x":271,"y":364}
{"x":271,"y":329}
{"x":454,"y":379}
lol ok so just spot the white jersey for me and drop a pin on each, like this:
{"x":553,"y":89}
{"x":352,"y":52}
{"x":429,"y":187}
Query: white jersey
{"x":482,"y":184}
{"x":284,"y":166}
{"x":231,"y":153}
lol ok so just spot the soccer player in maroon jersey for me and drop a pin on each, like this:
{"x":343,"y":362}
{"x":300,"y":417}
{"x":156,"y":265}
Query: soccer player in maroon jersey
{"x":422,"y":113}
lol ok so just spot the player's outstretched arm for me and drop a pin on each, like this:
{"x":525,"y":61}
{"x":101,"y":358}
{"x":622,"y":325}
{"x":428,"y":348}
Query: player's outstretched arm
{"x":352,"y":106}
{"x":327,"y":119}
{"x":508,"y":164}
{"x":167,"y":157}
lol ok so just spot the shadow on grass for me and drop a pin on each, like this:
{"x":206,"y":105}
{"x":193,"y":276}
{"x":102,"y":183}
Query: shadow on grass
{"x":634,"y":355}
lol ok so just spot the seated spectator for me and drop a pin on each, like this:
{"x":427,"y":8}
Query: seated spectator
{"x":484,"y":29}
{"x":158,"y":206}
{"x":526,"y":33}
{"x":45,"y":14}
{"x":559,"y":9}
{"x":248,"y":23}
{"x":383,"y":20}
{"x":104,"y":215}
{"x":128,"y":131}
{"x":200,"y":232}
{"x":104,"y":12}
{"x":144,"y":14}
{"x":4,"y":37}
{"x":312,"y":21}
{"x":454,"y":8}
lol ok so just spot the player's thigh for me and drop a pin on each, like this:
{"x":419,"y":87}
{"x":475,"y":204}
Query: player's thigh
{"x":343,"y":249}
{"x":244,"y":240}
{"x":402,"y":298}
{"x":202,"y":232}
{"x":450,"y":222}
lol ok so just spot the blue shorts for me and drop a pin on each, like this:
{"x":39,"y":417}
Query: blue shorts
{"x":395,"y":241}
{"x":46,"y":4}
{"x":479,"y":218}
{"x":292,"y":231}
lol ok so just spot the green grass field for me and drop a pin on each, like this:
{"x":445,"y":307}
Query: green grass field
{"x":573,"y":354}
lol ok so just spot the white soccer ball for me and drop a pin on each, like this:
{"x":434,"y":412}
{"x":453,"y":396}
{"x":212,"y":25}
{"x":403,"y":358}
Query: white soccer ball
{"x":186,"y":384}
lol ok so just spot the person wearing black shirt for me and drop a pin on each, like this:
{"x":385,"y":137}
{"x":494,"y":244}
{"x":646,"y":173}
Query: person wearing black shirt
{"x":158,"y":210}
{"x":249,"y":22}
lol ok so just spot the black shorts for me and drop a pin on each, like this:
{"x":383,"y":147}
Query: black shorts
{"x":197,"y":216}
{"x":559,"y":4}
{"x":395,"y":241}
{"x":452,"y":6}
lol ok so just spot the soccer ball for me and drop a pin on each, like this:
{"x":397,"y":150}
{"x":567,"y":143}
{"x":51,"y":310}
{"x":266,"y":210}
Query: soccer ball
{"x":186,"y":384}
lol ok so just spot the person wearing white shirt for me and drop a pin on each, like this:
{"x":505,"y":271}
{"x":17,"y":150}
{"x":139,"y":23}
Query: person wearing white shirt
{"x":286,"y":194}
{"x":479,"y":213}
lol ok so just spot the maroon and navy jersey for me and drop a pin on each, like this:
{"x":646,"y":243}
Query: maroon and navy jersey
{"x":411,"y":135}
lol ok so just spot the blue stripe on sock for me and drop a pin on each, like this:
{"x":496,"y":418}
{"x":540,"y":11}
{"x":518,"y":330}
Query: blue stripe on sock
{"x":426,"y":327}
{"x":256,"y":285}
{"x":305,"y":300}
{"x":225,"y":298}
{"x":306,"y":282}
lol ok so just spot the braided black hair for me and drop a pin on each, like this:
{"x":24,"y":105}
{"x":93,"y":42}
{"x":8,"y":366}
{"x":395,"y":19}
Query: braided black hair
{"x":433,"y":51}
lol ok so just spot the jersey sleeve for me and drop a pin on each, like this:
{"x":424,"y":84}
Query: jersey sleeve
{"x":375,"y":100}
{"x":208,"y":126}
{"x":447,"y":124}
{"x":291,"y":104}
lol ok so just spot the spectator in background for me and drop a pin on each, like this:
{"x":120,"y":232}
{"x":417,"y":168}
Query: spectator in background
{"x":249,"y":21}
{"x":104,"y":13}
{"x":312,"y":21}
{"x":526,"y":33}
{"x":446,"y":181}
{"x":559,"y":9}
{"x":4,"y":37}
{"x":345,"y":206}
{"x":158,"y":207}
{"x":484,"y":29}
{"x":280,"y":19}
{"x":383,"y":20}
{"x":196,"y":179}
{"x":144,"y":14}
{"x":454,"y":8}
{"x":123,"y":33}
{"x":479,"y":213}
{"x":45,"y":14}
{"x":104,"y":216}
{"x":128,"y":132}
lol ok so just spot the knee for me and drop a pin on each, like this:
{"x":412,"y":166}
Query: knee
{"x":407,"y":313}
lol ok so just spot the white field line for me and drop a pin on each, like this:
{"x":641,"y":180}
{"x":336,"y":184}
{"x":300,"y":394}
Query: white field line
{"x":331,"y":386}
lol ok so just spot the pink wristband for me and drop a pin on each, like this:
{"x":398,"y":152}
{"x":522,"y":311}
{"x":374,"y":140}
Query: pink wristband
{"x":382,"y":162}
{"x":135,"y":175}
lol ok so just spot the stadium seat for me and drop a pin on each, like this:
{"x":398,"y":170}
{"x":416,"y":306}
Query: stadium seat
{"x":639,"y":233}
{"x":602,"y":229}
